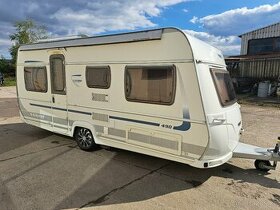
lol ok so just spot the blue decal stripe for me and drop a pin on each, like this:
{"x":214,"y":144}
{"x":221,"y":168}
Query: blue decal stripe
{"x":136,"y":121}
{"x":61,"y":109}
{"x":33,"y":61}
{"x":43,"y":106}
{"x":184,"y":127}
{"x":79,"y":112}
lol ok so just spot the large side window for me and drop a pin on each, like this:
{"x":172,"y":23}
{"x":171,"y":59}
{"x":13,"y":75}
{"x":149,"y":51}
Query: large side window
{"x":57,"y":74}
{"x":98,"y":77}
{"x":154,"y":84}
{"x":36,"y":79}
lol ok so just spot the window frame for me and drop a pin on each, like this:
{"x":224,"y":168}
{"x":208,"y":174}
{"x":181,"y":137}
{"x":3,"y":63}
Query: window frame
{"x":58,"y":56}
{"x":213,"y":71}
{"x":174,"y":85}
{"x":88,"y":68}
{"x":36,"y":67}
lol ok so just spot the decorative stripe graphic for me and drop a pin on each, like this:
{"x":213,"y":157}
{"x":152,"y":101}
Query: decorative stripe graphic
{"x":183,"y":127}
{"x":186,"y":114}
{"x":161,"y":142}
{"x":79,"y":112}
{"x":136,"y":121}
{"x":61,"y":109}
{"x":43,"y":106}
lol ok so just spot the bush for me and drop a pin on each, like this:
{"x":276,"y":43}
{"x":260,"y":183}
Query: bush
{"x":9,"y":81}
{"x":6,"y":67}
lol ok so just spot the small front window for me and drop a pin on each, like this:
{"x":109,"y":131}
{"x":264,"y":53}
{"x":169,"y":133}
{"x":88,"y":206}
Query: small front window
{"x":98,"y":77}
{"x":224,"y":87}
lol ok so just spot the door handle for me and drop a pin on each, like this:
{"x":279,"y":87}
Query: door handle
{"x":53,"y":99}
{"x":217,"y":120}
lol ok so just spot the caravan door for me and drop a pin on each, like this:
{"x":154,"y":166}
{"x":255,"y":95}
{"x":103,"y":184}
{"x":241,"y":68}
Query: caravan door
{"x":58,"y":85}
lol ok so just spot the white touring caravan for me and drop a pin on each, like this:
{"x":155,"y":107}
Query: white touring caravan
{"x":158,"y":92}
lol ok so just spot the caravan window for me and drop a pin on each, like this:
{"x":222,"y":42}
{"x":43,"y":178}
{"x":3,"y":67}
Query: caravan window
{"x":35,"y":79}
{"x":155,"y":84}
{"x":98,"y":77}
{"x":57,"y":69}
{"x":224,"y":86}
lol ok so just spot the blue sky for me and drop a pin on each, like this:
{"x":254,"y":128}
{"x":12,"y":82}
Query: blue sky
{"x":217,"y":22}
{"x":180,"y":14}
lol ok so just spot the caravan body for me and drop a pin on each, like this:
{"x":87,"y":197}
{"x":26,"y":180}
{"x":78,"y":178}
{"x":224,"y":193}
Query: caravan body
{"x":158,"y":92}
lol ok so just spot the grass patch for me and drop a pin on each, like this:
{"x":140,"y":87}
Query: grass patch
{"x":9,"y":81}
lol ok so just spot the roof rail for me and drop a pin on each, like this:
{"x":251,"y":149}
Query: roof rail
{"x":61,"y":38}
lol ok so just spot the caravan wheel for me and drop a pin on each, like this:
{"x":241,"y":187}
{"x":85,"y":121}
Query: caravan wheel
{"x":262,"y":165}
{"x":84,"y":139}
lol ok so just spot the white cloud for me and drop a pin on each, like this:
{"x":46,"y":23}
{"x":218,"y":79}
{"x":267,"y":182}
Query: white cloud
{"x":229,"y":45}
{"x":238,"y":21}
{"x":194,"y":19}
{"x":81,"y":16}
{"x":5,"y":42}
{"x":185,"y":10}
{"x":112,"y":15}
{"x":85,"y":21}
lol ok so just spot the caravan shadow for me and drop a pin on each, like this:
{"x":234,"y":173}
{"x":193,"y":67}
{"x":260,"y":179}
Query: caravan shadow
{"x":8,"y":107}
{"x":19,"y":134}
{"x":160,"y":177}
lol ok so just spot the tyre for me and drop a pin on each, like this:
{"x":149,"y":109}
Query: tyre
{"x":85,"y":139}
{"x":261,"y":165}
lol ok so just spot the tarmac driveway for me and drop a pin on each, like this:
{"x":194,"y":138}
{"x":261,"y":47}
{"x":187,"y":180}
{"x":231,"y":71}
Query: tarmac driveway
{"x":42,"y":170}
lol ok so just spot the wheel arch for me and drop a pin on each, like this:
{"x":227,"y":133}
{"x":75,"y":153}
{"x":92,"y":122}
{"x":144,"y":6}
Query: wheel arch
{"x":83,"y":124}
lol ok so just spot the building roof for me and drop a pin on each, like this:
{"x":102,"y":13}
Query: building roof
{"x":250,"y":57}
{"x":275,"y":25}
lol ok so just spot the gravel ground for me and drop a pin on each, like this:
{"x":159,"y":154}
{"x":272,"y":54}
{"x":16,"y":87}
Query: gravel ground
{"x":41,"y":170}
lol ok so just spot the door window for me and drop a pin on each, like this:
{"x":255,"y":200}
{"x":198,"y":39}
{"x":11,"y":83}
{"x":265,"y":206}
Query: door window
{"x":58,"y":74}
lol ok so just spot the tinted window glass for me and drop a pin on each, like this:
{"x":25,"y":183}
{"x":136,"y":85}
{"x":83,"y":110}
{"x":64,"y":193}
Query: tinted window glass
{"x":277,"y":44}
{"x":224,"y":86}
{"x":98,"y":77}
{"x":150,"y":84}
{"x":261,"y":46}
{"x":35,"y":79}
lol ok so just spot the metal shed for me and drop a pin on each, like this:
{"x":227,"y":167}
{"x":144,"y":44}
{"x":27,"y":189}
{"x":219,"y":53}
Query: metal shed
{"x":262,"y":33}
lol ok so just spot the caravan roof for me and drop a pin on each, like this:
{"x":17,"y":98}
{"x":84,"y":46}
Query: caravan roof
{"x":201,"y":50}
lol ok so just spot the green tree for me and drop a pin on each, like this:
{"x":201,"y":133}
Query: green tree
{"x":4,"y":65}
{"x":27,"y":31}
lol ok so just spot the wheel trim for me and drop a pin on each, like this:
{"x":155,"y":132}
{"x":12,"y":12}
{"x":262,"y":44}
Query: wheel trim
{"x":84,"y":138}
{"x":262,"y":165}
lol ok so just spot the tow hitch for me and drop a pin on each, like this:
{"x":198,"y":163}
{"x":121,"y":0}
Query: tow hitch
{"x":262,"y":156}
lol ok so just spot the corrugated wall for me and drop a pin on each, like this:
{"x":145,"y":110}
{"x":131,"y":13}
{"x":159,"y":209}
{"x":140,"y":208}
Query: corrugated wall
{"x":269,"y":31}
{"x":261,"y":69}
